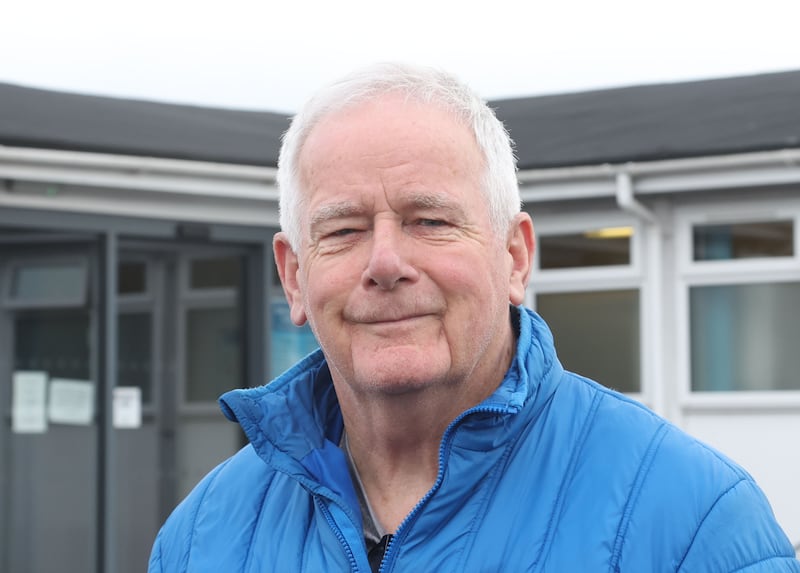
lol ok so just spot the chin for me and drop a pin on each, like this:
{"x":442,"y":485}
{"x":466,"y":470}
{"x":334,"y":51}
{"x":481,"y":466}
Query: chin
{"x":402,"y":375}
{"x":399,"y":369}
{"x":398,"y":387}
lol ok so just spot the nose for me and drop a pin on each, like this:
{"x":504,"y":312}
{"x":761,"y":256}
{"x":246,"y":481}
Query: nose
{"x":389,"y":259}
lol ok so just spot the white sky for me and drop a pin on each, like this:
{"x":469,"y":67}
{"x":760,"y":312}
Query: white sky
{"x":271,"y":55}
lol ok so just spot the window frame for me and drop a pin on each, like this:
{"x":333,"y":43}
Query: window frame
{"x":190,"y":299}
{"x":15,"y":264}
{"x":600,"y":278}
{"x":744,"y":271}
{"x":145,"y":302}
{"x":579,"y":223}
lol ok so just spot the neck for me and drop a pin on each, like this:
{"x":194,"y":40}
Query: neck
{"x":394,"y":442}
{"x":394,"y":438}
{"x":396,"y":456}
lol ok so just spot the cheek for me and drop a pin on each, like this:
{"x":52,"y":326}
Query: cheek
{"x":326,"y":287}
{"x":474,"y":277}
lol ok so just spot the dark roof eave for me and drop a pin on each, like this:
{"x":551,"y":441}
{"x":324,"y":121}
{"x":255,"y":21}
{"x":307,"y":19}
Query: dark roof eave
{"x":621,"y":125}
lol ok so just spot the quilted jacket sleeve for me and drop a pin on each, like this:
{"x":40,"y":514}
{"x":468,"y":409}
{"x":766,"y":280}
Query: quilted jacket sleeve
{"x":170,"y":553}
{"x":155,"y":557}
{"x":740,"y":534}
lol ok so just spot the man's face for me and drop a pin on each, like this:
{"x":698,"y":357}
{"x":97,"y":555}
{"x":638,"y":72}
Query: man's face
{"x":400,"y":274}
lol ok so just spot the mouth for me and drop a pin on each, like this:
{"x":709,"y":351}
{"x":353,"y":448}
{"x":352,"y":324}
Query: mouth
{"x":372,"y":312}
{"x":378,"y":320}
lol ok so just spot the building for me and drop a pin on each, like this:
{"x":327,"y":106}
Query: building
{"x":136,"y":285}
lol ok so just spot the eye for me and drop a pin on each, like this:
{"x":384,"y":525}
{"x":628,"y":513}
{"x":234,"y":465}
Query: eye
{"x":342,"y":232}
{"x":432,"y":222}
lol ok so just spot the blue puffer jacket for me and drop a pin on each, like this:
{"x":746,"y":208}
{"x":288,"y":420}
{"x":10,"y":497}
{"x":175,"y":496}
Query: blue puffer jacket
{"x":551,"y":473}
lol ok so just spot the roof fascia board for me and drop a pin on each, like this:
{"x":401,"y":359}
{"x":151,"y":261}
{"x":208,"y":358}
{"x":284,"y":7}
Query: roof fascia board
{"x":152,"y":206}
{"x":670,"y":176}
{"x":251,"y":185}
{"x":140,"y":187}
{"x":138,"y":173}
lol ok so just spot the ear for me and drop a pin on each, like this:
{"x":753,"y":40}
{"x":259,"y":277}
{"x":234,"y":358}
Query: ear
{"x":521,"y":243}
{"x":288,"y":268}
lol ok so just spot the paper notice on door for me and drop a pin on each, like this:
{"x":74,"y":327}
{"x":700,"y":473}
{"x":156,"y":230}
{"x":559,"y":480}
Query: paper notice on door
{"x":127,"y":407}
{"x":29,"y":402}
{"x":71,"y":402}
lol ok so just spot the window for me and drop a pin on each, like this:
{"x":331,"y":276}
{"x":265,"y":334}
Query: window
{"x":596,"y":334}
{"x":134,"y":352}
{"x":588,"y":291}
{"x":288,"y":343}
{"x":744,"y":337}
{"x":596,"y":248}
{"x":53,"y":342}
{"x":47,"y":284}
{"x":135,"y":318}
{"x":742,"y":297}
{"x":131,"y":278}
{"x":221,"y":272}
{"x":213,"y":328}
{"x":213,"y":353}
{"x":212,"y":333}
{"x":743,"y":240}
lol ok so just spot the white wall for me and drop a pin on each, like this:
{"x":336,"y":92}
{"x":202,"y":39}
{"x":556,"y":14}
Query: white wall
{"x":767,"y":444}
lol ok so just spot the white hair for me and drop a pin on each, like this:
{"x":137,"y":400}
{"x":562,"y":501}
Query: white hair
{"x":421,"y":84}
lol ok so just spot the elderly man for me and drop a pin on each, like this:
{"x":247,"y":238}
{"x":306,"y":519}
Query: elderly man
{"x":435,"y":429}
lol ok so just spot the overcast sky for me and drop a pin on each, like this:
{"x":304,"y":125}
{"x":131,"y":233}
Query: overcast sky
{"x":271,"y":55}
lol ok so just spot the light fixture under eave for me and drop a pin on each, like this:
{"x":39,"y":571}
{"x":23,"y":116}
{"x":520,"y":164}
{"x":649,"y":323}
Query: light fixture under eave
{"x":610,"y":233}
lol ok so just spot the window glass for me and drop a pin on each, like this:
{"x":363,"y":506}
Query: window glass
{"x":50,"y":479}
{"x":134,"y":354}
{"x":596,"y":334}
{"x":213,"y":353}
{"x":289,"y":343}
{"x":48,"y":283}
{"x":132,"y":278}
{"x":215,"y":273}
{"x":53,"y":342}
{"x":601,"y":247}
{"x":744,"y":337}
{"x":743,"y":240}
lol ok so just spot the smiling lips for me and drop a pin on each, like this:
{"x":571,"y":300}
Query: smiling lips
{"x":368,"y":310}
{"x":392,"y":319}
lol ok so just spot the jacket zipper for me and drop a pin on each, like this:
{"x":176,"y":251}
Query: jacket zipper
{"x":388,"y":555}
{"x":338,"y":532}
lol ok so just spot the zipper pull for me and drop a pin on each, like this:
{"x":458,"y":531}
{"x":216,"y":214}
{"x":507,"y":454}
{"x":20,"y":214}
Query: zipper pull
{"x":376,"y":553}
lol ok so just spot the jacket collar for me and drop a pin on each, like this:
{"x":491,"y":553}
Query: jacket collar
{"x":299,"y":413}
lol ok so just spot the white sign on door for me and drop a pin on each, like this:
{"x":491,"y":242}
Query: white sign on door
{"x":127,"y":407}
{"x":71,"y":402}
{"x":28,"y":402}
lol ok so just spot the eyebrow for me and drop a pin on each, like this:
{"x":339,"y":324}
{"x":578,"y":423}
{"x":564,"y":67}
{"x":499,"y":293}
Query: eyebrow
{"x":346,"y":209}
{"x":435,"y":201}
{"x":334,"y":211}
{"x":430,"y":201}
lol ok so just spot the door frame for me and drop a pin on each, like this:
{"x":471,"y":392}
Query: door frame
{"x":110,"y":235}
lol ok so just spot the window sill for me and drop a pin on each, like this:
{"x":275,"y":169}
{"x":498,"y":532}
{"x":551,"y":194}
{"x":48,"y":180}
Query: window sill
{"x":742,"y":400}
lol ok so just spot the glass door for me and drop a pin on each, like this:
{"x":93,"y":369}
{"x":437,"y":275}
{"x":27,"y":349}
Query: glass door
{"x":49,"y":440}
{"x":182,"y":340}
{"x":211,"y":358}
